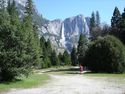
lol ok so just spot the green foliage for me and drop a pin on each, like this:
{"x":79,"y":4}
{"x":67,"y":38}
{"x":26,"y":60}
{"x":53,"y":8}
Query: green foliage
{"x":115,"y":22}
{"x":29,"y":8}
{"x":11,"y":54}
{"x":19,"y":44}
{"x":82,"y":47}
{"x":106,"y":55}
{"x":66,"y":58}
{"x":2,"y":5}
{"x":49,"y":56}
{"x":46,"y":62}
{"x":60,"y":56}
{"x":92,"y":21}
{"x":54,"y":59}
{"x":74,"y":56}
{"x":122,"y":28}
{"x":95,"y":29}
{"x":97,"y":19}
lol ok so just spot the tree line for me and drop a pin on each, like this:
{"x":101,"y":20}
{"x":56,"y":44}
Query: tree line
{"x":21,"y":49}
{"x":104,"y":51}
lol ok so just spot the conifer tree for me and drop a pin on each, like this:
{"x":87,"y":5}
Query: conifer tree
{"x":115,"y":22}
{"x":82,"y":47}
{"x":97,"y":19}
{"x":74,"y":56}
{"x":30,"y":36}
{"x":54,"y":59}
{"x":66,"y":58}
{"x":60,"y":56}
{"x":2,"y":5}
{"x":122,"y":27}
{"x":92,"y":21}
{"x":13,"y":61}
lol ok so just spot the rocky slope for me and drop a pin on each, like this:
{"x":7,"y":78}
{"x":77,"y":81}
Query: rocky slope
{"x":63,"y":34}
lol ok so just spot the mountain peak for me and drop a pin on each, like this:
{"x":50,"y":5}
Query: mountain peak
{"x":65,"y":34}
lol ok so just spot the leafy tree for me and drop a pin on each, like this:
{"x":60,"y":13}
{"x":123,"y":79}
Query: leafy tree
{"x":66,"y":58}
{"x":74,"y":56}
{"x":106,"y":55}
{"x":82,"y":47}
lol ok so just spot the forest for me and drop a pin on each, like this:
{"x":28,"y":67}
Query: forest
{"x":22,"y":50}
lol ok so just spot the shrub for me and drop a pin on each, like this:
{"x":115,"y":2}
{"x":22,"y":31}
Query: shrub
{"x":106,"y":54}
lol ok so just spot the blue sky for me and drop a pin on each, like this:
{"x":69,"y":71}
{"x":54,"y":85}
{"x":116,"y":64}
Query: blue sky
{"x":54,"y":9}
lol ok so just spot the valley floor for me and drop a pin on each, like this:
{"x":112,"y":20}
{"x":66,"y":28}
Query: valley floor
{"x":74,"y":83}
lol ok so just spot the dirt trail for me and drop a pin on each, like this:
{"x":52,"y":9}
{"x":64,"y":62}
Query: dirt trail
{"x":74,"y":84}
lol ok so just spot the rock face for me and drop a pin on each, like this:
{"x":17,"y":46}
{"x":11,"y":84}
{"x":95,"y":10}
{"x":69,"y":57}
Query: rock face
{"x":65,"y":34}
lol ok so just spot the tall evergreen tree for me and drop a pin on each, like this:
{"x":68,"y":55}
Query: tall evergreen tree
{"x":54,"y":59}
{"x":31,"y":46}
{"x":97,"y":19}
{"x":122,"y":27}
{"x":66,"y":58}
{"x":48,"y":47}
{"x":82,"y":47}
{"x":29,"y":8}
{"x":13,"y":61}
{"x":115,"y":22}
{"x":92,"y":21}
{"x":60,"y":56}
{"x":74,"y":56}
{"x":2,"y":5}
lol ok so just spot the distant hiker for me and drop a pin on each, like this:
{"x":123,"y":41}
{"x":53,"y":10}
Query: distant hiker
{"x":81,"y":69}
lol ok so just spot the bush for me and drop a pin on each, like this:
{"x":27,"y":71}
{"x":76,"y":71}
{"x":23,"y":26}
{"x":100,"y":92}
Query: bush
{"x":106,"y":54}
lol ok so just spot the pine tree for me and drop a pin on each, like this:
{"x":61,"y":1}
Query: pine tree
{"x":82,"y":47}
{"x":60,"y":56}
{"x":31,"y":46}
{"x":122,"y":27}
{"x":2,"y":5}
{"x":12,"y":57}
{"x":29,"y":8}
{"x":74,"y":56}
{"x":92,"y":21}
{"x":66,"y":58}
{"x":54,"y":59}
{"x":48,"y":47}
{"x":115,"y":22}
{"x":97,"y":19}
{"x":93,"y":26}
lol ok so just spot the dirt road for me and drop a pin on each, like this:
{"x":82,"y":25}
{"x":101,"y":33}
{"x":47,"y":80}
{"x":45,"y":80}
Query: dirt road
{"x":75,"y":84}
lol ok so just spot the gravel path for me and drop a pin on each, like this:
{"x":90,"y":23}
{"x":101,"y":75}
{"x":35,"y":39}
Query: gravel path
{"x":74,"y":84}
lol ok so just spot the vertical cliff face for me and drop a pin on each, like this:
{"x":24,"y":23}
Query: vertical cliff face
{"x":63,"y":34}
{"x":73,"y":27}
